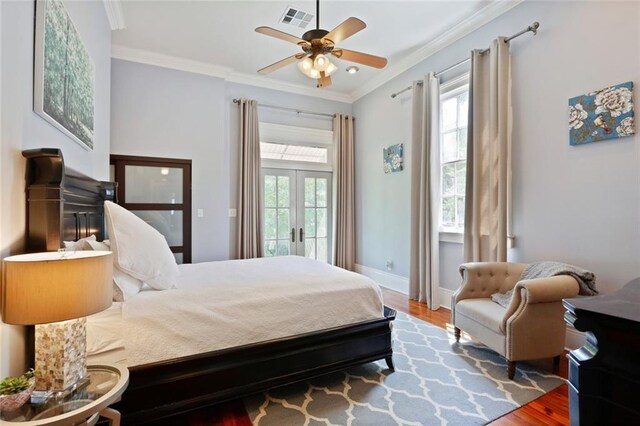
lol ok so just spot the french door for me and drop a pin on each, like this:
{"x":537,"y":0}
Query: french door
{"x":297,"y":213}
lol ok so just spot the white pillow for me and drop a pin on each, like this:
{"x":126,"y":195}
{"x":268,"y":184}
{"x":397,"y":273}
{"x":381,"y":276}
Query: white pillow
{"x":140,"y":250}
{"x":127,"y":286}
{"x":99,"y":245}
{"x":81,"y":244}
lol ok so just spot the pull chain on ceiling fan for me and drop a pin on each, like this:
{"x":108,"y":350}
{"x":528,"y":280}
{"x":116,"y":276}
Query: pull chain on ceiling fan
{"x":317,"y":44}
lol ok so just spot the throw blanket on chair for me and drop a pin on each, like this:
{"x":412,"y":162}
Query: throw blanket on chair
{"x":586,"y":279}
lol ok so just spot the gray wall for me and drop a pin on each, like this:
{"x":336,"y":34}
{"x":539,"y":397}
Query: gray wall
{"x":160,"y":112}
{"x":575,"y":204}
{"x":21,"y":128}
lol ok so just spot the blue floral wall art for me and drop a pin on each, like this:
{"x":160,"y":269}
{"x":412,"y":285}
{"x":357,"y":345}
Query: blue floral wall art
{"x":603,"y":114}
{"x":392,"y":158}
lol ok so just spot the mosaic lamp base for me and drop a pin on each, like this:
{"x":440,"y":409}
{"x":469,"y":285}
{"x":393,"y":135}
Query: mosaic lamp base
{"x":61,"y":356}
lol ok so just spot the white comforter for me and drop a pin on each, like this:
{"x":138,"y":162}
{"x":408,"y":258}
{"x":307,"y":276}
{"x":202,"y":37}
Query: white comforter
{"x":219,"y":305}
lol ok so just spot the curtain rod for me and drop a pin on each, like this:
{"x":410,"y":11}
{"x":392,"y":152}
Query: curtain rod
{"x":532,"y":28}
{"x":297,"y":111}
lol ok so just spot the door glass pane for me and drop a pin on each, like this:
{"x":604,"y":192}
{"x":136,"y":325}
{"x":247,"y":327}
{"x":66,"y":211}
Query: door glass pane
{"x":179,"y":258}
{"x":322,"y":249}
{"x":270,"y":224}
{"x":322,"y":222}
{"x":309,"y":192}
{"x":310,"y":222}
{"x":283,"y":191}
{"x":283,"y":248}
{"x":270,"y":191}
{"x":321,"y":192}
{"x":147,"y":184}
{"x":167,"y":222}
{"x":284,"y":228}
{"x":310,"y":247}
{"x":270,"y":248}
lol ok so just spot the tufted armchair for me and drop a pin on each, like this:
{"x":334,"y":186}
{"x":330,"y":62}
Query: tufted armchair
{"x":531,"y":327}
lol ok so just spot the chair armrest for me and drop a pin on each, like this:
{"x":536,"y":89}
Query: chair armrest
{"x":539,"y":290}
{"x":482,"y":279}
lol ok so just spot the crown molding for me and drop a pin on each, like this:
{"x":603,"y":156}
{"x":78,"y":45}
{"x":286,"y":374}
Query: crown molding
{"x":226,"y":73}
{"x":464,"y":28}
{"x":115,"y":14}
{"x":167,"y":61}
{"x":477,"y":20}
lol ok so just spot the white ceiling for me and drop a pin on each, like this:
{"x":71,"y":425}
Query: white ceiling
{"x":222,"y":32}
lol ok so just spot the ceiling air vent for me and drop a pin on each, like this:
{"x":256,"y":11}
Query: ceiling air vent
{"x":296,"y":17}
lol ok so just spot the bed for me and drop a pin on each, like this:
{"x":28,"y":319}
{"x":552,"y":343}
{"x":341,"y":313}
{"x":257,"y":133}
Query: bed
{"x":63,"y":205}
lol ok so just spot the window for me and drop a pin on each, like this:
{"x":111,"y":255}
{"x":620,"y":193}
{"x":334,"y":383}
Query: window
{"x":453,"y":153}
{"x":291,"y":147}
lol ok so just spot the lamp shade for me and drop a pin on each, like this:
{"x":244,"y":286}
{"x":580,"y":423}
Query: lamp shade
{"x":42,"y":288}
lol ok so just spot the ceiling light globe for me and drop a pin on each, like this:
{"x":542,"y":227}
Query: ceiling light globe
{"x":352,"y":69}
{"x":305,"y":65}
{"x":321,"y":62}
{"x":313,"y":73}
{"x":330,"y":69}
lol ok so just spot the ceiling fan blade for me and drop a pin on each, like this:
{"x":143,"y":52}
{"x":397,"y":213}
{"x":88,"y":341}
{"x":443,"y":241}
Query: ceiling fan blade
{"x":281,"y":35}
{"x":360,"y":58}
{"x":345,"y":30}
{"x":324,"y":80}
{"x":284,"y":62}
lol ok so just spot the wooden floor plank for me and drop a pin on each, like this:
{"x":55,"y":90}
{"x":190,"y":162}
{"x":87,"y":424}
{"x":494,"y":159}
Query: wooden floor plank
{"x":551,"y":409}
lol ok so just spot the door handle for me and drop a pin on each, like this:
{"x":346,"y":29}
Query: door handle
{"x":293,"y":235}
{"x":301,"y":234}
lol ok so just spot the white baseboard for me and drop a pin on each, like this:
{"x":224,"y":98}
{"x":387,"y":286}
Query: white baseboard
{"x":574,"y":338}
{"x":399,"y":283}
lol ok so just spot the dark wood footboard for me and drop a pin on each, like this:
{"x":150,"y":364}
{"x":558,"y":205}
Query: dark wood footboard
{"x":167,"y":388}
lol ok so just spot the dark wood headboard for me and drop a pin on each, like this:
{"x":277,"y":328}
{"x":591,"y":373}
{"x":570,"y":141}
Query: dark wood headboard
{"x":62,"y":205}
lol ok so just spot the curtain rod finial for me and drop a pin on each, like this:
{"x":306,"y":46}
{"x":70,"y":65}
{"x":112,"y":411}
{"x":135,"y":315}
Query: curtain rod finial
{"x":534,"y":27}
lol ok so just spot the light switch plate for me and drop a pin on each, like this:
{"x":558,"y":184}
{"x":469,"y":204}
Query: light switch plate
{"x":233,"y":212}
{"x":200,"y":212}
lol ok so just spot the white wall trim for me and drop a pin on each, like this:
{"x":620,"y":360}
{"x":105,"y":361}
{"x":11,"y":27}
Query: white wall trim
{"x":475,"y":21}
{"x":226,"y":73}
{"x":385,"y":279}
{"x":115,"y":14}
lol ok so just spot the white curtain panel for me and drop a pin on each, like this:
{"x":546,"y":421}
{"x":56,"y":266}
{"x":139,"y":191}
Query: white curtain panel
{"x":344,"y":241}
{"x":425,"y":204}
{"x":488,"y":191}
{"x":250,"y":238}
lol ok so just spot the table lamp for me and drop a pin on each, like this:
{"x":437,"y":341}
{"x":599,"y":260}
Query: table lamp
{"x":55,"y":291}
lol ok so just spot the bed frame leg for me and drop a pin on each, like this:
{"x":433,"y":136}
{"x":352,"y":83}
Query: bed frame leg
{"x":389,"y":361}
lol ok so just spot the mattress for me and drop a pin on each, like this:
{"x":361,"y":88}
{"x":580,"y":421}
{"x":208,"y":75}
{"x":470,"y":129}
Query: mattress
{"x":218,"y":305}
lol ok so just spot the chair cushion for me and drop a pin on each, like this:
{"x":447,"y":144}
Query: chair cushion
{"x":483,"y":311}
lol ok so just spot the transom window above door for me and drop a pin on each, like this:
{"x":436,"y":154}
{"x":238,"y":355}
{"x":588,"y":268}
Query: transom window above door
{"x":292,"y":147}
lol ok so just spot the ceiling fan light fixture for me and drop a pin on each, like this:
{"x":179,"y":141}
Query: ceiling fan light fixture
{"x":330,"y":69}
{"x":313,"y":73}
{"x":305,"y":65}
{"x":321,"y":62}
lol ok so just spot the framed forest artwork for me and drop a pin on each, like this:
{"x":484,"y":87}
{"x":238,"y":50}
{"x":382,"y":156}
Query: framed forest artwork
{"x":64,"y":74}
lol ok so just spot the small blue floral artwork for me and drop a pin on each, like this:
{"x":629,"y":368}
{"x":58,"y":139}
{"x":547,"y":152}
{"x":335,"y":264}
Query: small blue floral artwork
{"x":603,"y":114}
{"x":392,"y":158}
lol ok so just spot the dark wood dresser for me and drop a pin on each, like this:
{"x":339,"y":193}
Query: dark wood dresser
{"x":604,"y":375}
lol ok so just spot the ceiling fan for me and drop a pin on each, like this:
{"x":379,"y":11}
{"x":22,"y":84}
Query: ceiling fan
{"x":317,"y":44}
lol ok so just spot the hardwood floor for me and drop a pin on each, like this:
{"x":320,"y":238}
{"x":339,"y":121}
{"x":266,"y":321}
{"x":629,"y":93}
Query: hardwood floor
{"x":550,"y":409}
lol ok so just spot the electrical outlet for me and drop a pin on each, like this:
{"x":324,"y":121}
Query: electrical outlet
{"x":389,"y":265}
{"x":233,"y":212}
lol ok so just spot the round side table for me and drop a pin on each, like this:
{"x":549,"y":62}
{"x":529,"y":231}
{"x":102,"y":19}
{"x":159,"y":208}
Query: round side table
{"x":83,"y":406}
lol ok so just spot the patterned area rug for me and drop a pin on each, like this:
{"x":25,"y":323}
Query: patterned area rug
{"x":436,"y":382}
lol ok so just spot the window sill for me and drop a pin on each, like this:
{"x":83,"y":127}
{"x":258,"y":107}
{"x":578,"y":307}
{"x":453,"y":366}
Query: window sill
{"x":451,"y":237}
